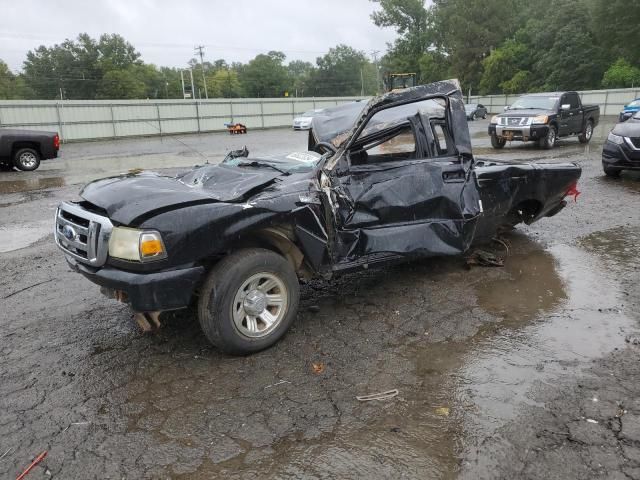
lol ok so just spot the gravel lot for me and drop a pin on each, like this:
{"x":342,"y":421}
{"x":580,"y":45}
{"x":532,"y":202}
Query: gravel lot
{"x":527,"y":371}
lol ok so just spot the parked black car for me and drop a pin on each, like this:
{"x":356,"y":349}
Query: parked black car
{"x":475,"y":110}
{"x":24,"y":149}
{"x":621,"y":151}
{"x":389,"y":180}
{"x":543,"y":117}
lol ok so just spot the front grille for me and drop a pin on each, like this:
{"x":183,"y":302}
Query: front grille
{"x":635,"y":141}
{"x":516,"y":121}
{"x":82,"y":234}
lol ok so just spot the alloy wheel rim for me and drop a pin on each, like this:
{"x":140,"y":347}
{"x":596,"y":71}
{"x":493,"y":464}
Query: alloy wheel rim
{"x":259,"y":305}
{"x":27,"y":159}
{"x":589,"y":131}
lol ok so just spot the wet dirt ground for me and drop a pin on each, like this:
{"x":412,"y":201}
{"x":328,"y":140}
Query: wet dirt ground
{"x":526,"y":371}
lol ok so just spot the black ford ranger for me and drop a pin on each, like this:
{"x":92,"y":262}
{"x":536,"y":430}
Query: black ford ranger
{"x":390,"y":180}
{"x":24,"y":149}
{"x":542,"y":118}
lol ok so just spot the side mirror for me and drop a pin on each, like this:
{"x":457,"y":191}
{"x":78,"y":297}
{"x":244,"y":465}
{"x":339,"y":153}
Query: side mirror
{"x":506,"y":108}
{"x":565,"y":106}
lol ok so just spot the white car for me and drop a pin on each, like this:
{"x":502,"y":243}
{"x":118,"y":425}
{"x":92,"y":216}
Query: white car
{"x":303,"y":122}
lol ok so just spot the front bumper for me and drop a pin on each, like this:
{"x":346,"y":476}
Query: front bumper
{"x":146,"y":292}
{"x":523,"y":133}
{"x":621,"y":157}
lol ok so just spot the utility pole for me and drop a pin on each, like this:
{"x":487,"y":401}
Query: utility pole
{"x":374,"y":54}
{"x":199,"y":49}
{"x":193,"y":91}
{"x":184,"y":95}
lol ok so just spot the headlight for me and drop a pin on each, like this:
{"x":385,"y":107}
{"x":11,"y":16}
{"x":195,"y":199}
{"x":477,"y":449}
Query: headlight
{"x":613,"y":138}
{"x":540,"y":119}
{"x":495,"y":119}
{"x":136,"y":245}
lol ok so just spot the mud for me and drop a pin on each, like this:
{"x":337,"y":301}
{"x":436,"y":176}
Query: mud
{"x":497,"y":368}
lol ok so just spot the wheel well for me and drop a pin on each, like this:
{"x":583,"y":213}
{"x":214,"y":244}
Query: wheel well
{"x":18,"y":145}
{"x":280,"y":240}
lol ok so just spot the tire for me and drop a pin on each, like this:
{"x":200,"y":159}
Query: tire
{"x":610,"y":172}
{"x":587,"y":133}
{"x":549,"y":141}
{"x":497,"y":143}
{"x":26,"y":159}
{"x":228,"y":291}
{"x":484,"y":117}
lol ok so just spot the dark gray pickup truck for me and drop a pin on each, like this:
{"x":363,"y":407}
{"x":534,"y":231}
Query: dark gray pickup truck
{"x":542,"y":118}
{"x":24,"y":149}
{"x":390,"y":180}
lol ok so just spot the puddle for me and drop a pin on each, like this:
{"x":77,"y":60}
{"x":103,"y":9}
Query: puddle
{"x":573,"y":315}
{"x":29,"y":184}
{"x":15,"y":237}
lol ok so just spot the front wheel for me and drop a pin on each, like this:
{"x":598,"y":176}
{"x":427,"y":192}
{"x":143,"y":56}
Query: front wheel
{"x":587,"y":133}
{"x":497,"y":142}
{"x":248,"y":301}
{"x":26,"y":159}
{"x":549,"y":140}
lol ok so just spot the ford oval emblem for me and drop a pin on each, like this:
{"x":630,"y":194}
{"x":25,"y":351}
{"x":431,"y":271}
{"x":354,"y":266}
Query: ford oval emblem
{"x":68,"y":232}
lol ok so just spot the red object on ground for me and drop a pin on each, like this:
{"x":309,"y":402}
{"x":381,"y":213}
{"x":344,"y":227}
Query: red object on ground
{"x":573,"y":192}
{"x":38,"y":459}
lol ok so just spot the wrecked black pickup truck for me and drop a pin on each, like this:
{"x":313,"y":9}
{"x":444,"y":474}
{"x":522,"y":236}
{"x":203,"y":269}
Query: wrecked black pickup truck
{"x":388,"y":180}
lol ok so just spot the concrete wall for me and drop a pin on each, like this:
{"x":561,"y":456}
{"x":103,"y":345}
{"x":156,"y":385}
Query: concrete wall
{"x":95,"y":119}
{"x":610,"y":101}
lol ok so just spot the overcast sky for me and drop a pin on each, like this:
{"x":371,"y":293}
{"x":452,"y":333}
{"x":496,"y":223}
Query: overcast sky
{"x":165,"y":32}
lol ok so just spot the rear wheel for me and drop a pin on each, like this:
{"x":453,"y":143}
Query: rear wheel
{"x":610,"y":172}
{"x":248,"y":301}
{"x":497,"y":142}
{"x":26,"y":159}
{"x":549,"y":140}
{"x":587,"y":133}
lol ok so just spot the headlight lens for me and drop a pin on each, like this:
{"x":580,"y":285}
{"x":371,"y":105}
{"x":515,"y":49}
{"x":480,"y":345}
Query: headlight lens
{"x":613,"y":138}
{"x":136,"y":245}
{"x":540,"y":119}
{"x":495,"y":119}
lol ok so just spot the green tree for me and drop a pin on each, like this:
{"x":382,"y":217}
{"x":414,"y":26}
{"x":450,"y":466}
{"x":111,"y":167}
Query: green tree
{"x":468,"y":30}
{"x":621,"y":75}
{"x":342,"y":72}
{"x":615,"y":27}
{"x":121,"y":84}
{"x":7,"y":82}
{"x":502,"y":66}
{"x":224,"y":83}
{"x":265,"y":76}
{"x":412,"y":23}
{"x":433,"y":66}
{"x":300,"y":74}
{"x":77,"y":67}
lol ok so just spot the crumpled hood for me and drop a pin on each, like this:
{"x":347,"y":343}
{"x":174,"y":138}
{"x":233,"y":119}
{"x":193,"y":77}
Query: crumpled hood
{"x":127,"y":198}
{"x":630,"y":128}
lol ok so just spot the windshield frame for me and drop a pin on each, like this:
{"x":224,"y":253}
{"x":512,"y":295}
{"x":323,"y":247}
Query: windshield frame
{"x":540,"y":106}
